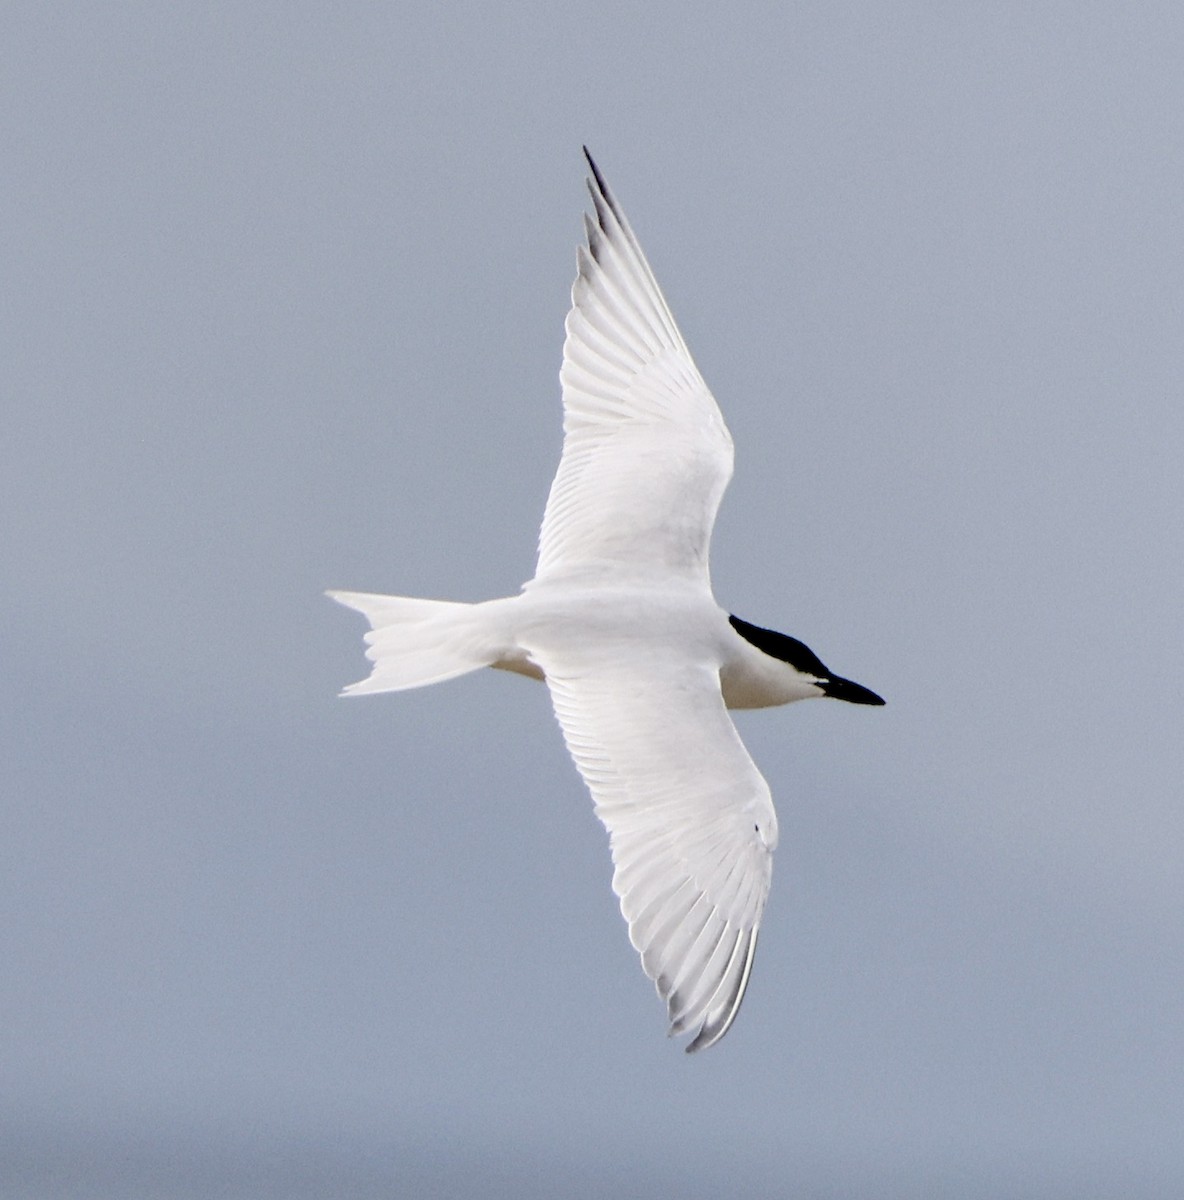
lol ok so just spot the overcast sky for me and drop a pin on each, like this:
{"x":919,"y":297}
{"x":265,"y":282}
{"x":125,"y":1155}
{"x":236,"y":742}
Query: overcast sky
{"x":284,"y":287}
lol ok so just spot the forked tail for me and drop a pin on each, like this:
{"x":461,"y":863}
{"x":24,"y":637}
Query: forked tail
{"x":416,"y":642}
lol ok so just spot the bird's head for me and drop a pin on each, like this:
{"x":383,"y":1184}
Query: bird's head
{"x":805,"y":662}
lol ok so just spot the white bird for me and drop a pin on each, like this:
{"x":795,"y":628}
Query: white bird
{"x":621,"y":623}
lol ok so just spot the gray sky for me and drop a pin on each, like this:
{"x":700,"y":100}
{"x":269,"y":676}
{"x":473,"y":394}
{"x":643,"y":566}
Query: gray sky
{"x":284,"y":290}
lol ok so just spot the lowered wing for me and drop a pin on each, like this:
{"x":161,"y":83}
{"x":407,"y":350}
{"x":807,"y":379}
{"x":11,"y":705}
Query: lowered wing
{"x":690,"y":821}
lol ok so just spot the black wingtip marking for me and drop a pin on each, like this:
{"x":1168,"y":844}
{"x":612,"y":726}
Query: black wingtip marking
{"x":594,"y":168}
{"x":601,"y":194}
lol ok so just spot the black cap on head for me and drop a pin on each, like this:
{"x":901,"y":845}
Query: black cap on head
{"x":803,"y":659}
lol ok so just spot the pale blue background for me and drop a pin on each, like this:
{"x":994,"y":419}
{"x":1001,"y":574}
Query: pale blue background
{"x":283,"y":297}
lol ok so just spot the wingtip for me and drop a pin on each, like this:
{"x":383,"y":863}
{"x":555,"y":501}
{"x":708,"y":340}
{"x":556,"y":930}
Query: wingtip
{"x":718,"y":1019}
{"x":596,"y":175}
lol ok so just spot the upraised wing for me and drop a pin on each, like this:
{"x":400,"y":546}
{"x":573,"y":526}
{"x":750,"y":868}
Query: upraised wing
{"x":646,"y":453}
{"x":690,"y":821}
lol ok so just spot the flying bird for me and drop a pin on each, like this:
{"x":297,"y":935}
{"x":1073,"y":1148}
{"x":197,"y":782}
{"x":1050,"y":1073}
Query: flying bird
{"x":620,"y":622}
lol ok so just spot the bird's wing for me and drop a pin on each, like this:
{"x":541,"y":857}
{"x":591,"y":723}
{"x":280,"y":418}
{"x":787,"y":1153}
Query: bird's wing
{"x":690,"y":820}
{"x":646,"y":453}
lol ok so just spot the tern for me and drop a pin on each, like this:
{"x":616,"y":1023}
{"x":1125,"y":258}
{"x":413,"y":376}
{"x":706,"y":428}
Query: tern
{"x":621,"y":623}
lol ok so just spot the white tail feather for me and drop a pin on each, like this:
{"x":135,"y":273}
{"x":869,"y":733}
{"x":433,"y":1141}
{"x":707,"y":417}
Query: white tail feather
{"x":416,"y":642}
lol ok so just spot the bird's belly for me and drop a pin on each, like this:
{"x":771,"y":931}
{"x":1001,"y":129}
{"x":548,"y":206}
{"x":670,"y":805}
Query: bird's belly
{"x":615,"y":621}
